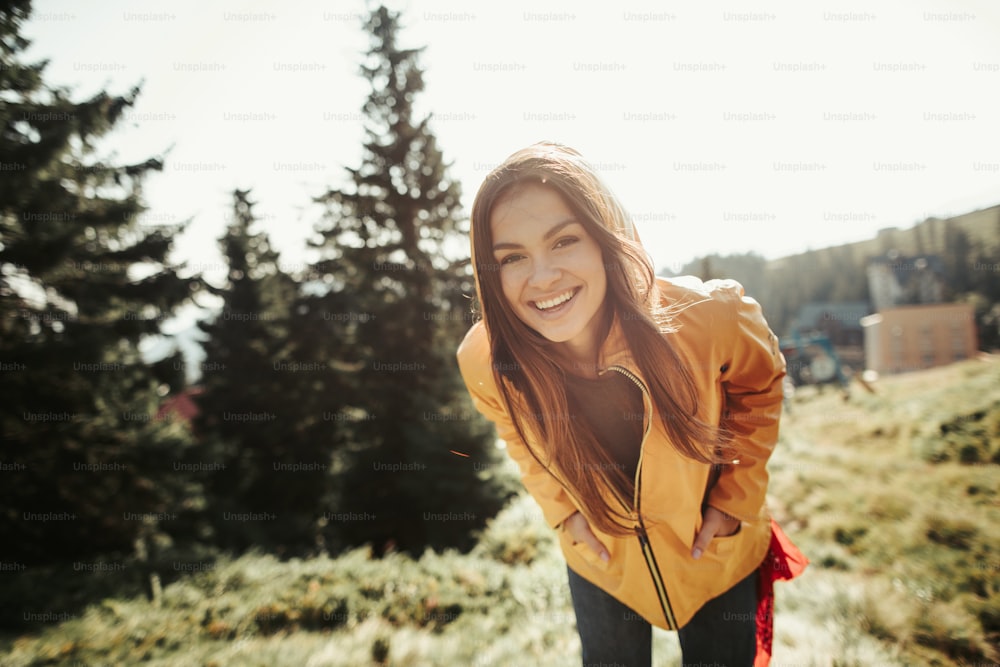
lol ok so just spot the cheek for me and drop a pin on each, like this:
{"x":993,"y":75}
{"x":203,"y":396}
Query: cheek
{"x":510,"y":286}
{"x":602,"y":275}
{"x":591,"y":265}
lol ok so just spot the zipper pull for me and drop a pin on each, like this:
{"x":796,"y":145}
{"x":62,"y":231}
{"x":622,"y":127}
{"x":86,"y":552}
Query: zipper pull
{"x":641,"y":532}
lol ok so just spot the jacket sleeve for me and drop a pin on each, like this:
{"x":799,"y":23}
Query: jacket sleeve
{"x":752,"y":401}
{"x":548,"y":492}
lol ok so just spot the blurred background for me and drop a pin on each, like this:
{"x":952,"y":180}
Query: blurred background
{"x":234,"y":273}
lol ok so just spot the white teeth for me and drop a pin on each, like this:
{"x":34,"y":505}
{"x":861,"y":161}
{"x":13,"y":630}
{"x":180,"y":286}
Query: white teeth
{"x":552,"y":303}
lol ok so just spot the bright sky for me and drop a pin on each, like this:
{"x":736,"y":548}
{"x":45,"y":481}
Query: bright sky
{"x":773,"y":126}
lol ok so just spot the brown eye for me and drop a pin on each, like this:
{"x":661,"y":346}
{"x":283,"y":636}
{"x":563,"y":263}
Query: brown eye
{"x":509,"y":259}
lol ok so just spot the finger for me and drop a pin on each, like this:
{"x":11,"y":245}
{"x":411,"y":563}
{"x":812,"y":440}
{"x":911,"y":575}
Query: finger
{"x":709,"y":528}
{"x":591,"y":541}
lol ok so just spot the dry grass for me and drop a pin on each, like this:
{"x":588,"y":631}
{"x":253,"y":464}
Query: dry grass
{"x":894,"y":496}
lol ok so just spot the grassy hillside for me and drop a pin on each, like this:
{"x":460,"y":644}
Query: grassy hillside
{"x":894,"y":497}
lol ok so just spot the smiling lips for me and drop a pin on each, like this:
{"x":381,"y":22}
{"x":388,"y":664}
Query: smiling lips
{"x":555,"y":301}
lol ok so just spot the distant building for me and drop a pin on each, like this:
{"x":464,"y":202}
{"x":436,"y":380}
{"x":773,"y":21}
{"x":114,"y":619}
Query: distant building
{"x":895,"y":280}
{"x":911,"y":328}
{"x":840,"y":322}
{"x":913,"y":337}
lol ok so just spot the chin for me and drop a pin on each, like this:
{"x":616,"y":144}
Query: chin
{"x":560,"y":336}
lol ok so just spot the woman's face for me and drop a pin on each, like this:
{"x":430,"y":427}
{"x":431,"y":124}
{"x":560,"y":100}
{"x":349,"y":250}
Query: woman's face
{"x":551,"y":269}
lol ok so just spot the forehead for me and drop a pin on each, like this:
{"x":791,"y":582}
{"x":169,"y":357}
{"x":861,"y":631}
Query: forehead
{"x":528,"y":208}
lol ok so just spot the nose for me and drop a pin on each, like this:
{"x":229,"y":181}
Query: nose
{"x":544,"y":274}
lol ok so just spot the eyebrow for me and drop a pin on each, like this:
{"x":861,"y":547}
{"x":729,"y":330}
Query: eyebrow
{"x":553,"y":230}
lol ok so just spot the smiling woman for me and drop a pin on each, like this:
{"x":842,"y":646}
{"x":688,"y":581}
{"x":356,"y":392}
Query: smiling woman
{"x":599,"y":376}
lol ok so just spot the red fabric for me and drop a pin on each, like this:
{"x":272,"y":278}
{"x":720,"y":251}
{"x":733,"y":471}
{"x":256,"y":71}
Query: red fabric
{"x":783,"y":561}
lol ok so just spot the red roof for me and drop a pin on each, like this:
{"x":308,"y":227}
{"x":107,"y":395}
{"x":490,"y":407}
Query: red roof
{"x":181,"y":406}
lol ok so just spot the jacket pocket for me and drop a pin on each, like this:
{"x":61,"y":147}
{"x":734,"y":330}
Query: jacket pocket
{"x":588,"y":555}
{"x":723,"y":545}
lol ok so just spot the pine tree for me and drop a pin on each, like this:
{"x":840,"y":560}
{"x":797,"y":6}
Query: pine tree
{"x":88,"y":466}
{"x":268,"y":474}
{"x":401,"y":309}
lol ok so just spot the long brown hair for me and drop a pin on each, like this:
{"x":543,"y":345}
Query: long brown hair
{"x":531,"y":381}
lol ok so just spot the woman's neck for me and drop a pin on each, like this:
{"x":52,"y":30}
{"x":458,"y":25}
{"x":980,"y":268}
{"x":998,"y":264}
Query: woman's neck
{"x":580,"y":357}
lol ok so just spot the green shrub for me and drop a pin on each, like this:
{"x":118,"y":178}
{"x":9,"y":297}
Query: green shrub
{"x":987,"y":610}
{"x":952,"y":532}
{"x":518,"y":535}
{"x":953,"y":631}
{"x":380,"y":650}
{"x":969,"y":437}
{"x":848,"y":536}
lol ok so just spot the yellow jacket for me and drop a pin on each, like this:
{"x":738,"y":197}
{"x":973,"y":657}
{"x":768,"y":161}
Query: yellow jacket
{"x":737,"y":368}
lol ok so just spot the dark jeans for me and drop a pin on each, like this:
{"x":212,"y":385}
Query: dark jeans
{"x":721,"y":634}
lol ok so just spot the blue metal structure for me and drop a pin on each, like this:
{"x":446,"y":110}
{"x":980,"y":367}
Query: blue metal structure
{"x":812,"y":360}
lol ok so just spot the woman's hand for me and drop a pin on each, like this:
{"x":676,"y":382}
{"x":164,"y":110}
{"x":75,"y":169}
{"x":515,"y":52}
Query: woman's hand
{"x":579,"y":531}
{"x":714,"y":523}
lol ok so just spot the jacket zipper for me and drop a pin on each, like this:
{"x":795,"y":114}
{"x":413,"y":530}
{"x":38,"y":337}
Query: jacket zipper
{"x":640,"y":527}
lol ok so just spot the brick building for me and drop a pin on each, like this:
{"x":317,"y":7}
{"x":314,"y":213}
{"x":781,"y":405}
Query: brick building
{"x":912,"y":337}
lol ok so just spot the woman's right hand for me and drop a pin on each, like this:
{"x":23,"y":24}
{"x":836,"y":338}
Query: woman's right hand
{"x":579,"y":531}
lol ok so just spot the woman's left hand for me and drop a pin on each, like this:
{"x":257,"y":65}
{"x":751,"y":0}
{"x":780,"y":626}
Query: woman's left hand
{"x":714,"y":523}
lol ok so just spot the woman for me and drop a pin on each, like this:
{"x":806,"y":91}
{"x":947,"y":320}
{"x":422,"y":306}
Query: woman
{"x":641,"y":412}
